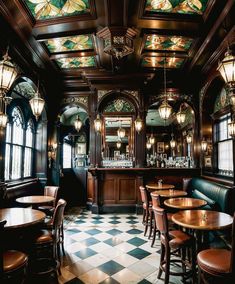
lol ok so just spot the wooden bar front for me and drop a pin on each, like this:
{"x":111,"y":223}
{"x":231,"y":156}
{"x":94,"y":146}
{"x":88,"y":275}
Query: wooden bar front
{"x":117,"y":189}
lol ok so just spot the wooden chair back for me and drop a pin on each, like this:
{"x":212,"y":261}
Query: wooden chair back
{"x":156,"y":200}
{"x":144,"y":196}
{"x":161,"y":222}
{"x":58,"y":218}
{"x":51,"y":191}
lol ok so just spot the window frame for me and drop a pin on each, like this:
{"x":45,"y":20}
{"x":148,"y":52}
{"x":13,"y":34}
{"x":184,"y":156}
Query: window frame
{"x":23,"y":146}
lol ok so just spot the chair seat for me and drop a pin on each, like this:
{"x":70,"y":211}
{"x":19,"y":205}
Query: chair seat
{"x":214,"y":261}
{"x":44,"y":236}
{"x":179,"y":238}
{"x":13,"y":260}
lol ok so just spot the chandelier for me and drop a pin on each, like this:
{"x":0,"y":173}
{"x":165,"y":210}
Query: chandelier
{"x":78,"y":124}
{"x":180,"y":116}
{"x":98,"y":123}
{"x":138,"y":124}
{"x":165,"y":109}
{"x":118,"y":41}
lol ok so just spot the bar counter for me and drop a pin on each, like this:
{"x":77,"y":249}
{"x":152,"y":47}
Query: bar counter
{"x":117,"y":189}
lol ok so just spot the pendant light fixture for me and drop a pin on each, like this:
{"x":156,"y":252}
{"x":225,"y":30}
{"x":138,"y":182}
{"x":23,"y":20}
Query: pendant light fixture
{"x":98,"y":123}
{"x":8,"y":73}
{"x":37,"y":104}
{"x":172,"y":142}
{"x":121,"y":132}
{"x":152,"y":139}
{"x":204,"y":145}
{"x":165,"y":109}
{"x":78,"y":124}
{"x":189,"y":138}
{"x":3,"y":111}
{"x":180,"y":116}
{"x":119,"y":144}
{"x":138,"y":124}
{"x":148,"y":144}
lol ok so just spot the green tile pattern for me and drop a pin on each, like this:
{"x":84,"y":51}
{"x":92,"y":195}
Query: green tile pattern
{"x":49,"y":9}
{"x":76,"y":62}
{"x":176,"y":6}
{"x":168,"y":43}
{"x":69,"y":43}
{"x":158,"y":62}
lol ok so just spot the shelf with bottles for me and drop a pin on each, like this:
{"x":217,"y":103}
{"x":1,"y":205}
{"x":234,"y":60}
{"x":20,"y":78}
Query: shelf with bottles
{"x":161,"y":161}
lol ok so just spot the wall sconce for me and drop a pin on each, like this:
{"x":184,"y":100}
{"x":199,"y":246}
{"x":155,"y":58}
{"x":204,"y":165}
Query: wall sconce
{"x":98,"y":123}
{"x":138,"y":124}
{"x":51,"y":153}
{"x":189,"y":138}
{"x":148,"y":144}
{"x":204,"y":145}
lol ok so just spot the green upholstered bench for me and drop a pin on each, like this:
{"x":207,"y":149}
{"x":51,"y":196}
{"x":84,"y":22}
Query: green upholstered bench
{"x":218,"y":196}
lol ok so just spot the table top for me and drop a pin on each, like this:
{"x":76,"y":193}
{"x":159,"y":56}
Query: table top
{"x":161,"y":187}
{"x":35,"y":199}
{"x":202,"y":219}
{"x":170,"y":193}
{"x":21,"y":217}
{"x":185,"y":203}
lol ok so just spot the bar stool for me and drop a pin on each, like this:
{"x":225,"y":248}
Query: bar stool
{"x":172,"y":242}
{"x":147,"y":208}
{"x":217,"y":264}
{"x":13,"y":263}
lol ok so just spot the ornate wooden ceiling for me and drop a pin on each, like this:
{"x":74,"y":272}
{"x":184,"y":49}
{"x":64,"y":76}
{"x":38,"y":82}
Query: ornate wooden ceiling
{"x":60,"y":36}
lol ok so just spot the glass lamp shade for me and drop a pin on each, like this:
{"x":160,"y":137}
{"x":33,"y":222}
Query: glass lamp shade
{"x":121,"y":132}
{"x":189,"y":138}
{"x":148,"y":145}
{"x":180,"y":116}
{"x":204,"y":145}
{"x":165,"y":110}
{"x":98,"y":124}
{"x":231,"y":128}
{"x":37,"y":105}
{"x":8,"y":73}
{"x":152,"y":140}
{"x":227,"y":68}
{"x":78,"y":124}
{"x":3,"y":120}
{"x":119,"y":144}
{"x":172,"y":143}
{"x":138,"y":124}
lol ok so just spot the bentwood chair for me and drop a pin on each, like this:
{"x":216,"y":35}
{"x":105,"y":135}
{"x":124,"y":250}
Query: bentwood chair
{"x":147,"y":208}
{"x":13,"y":264}
{"x":49,"y":241}
{"x":174,"y":244}
{"x":217,"y":265}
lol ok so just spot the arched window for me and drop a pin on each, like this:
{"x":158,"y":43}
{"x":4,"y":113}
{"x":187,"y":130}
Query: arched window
{"x":19,"y":147}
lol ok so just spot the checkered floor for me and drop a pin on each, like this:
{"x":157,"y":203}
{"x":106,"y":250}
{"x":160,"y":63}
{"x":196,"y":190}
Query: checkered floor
{"x":109,"y":248}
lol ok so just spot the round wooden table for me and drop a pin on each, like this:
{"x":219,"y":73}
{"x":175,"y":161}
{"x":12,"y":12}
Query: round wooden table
{"x":155,"y":186}
{"x":21,"y":217}
{"x":202,"y":219}
{"x":184,"y":203}
{"x":170,"y":193}
{"x":35,"y":200}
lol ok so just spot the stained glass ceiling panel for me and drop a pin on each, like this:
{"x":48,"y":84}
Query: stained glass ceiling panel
{"x":70,"y":43}
{"x":158,"y":62}
{"x":49,"y":9}
{"x":176,"y":6}
{"x":76,"y":62}
{"x":168,"y":43}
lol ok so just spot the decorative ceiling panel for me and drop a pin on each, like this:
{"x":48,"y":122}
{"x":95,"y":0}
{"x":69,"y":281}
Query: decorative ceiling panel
{"x":76,"y":62}
{"x":167,"y":43}
{"x":158,"y":62}
{"x":49,"y":9}
{"x":176,"y":6}
{"x":70,"y":43}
